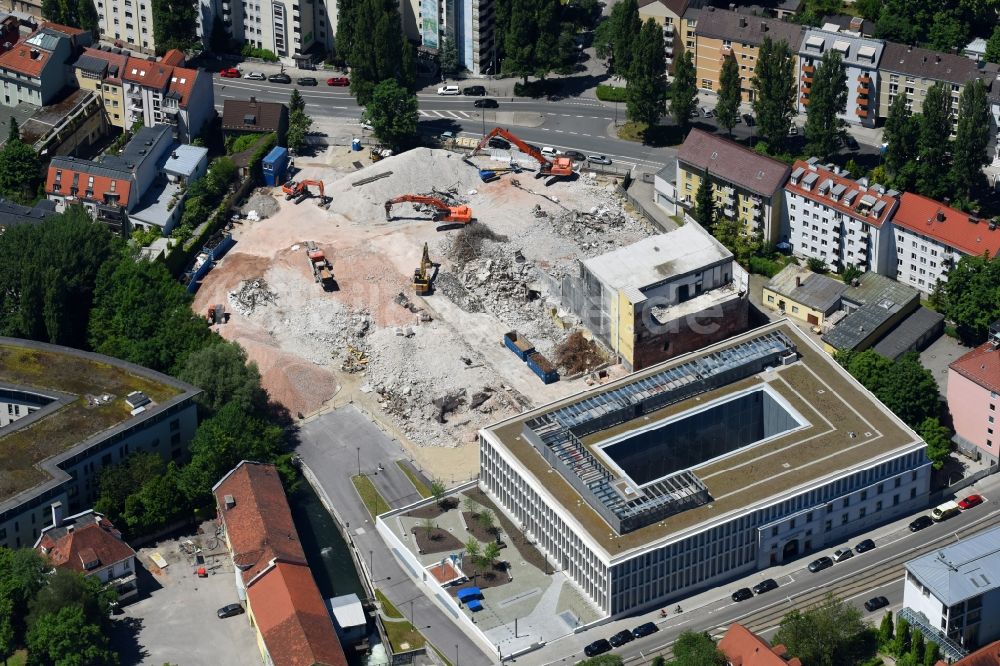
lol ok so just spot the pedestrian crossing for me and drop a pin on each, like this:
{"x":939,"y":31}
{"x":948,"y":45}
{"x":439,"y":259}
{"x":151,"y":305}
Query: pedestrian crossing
{"x":457,"y":115}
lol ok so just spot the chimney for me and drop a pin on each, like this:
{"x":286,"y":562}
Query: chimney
{"x":57,"y":514}
{"x":763,"y":27}
{"x":253,"y":100}
{"x":230,"y":502}
{"x":940,"y":216}
{"x":798,"y":280}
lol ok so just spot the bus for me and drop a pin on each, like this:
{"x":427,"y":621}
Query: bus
{"x":945,"y":511}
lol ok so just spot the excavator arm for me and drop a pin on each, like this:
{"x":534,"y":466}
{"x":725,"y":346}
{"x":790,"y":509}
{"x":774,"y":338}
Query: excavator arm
{"x":544,"y":163}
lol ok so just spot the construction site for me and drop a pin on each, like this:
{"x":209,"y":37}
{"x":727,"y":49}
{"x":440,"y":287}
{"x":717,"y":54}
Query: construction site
{"x":422,"y":288}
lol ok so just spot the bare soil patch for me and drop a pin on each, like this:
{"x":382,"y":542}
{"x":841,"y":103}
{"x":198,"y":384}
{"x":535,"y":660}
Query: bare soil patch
{"x":436,"y":540}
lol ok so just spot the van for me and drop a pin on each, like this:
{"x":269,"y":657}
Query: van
{"x":945,"y":511}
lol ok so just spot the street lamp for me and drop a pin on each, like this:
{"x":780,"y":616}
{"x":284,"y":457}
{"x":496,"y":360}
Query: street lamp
{"x":456,"y":654}
{"x":371,"y":565}
{"x":359,"y":461}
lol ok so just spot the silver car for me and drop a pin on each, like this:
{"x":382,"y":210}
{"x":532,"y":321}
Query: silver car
{"x":255,"y":76}
{"x":598,"y":159}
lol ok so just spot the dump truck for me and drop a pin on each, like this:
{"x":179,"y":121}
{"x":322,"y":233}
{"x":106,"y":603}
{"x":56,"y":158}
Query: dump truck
{"x":321,"y":268}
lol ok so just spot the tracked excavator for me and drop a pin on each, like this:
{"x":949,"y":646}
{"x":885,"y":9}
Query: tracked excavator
{"x":561,"y":167}
{"x":423,"y":276}
{"x":443,"y":212}
{"x":299,"y":190}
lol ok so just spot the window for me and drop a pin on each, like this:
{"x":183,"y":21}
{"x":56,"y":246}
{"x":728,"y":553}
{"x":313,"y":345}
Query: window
{"x":795,"y":308}
{"x":844,"y":518}
{"x":770,"y":299}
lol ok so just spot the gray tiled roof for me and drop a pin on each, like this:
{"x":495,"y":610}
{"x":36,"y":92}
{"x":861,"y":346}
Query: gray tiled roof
{"x":880,"y":299}
{"x":112,"y":167}
{"x":729,"y":161}
{"x":961,"y":570}
{"x":725,"y":24}
{"x":12,"y":214}
{"x":819,"y":292}
{"x":908,"y":333}
{"x":928,"y":64}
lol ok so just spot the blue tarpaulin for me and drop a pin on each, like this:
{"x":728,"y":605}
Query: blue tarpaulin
{"x":475,"y":606}
{"x":469,"y":594}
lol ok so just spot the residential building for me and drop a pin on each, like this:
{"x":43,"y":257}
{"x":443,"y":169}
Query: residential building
{"x":75,"y":124}
{"x":688,"y":28}
{"x":703,"y":469}
{"x":724,"y":34}
{"x":127,"y":23}
{"x":872,"y":306}
{"x":976,"y":49}
{"x":78,"y":413}
{"x":951,"y":595}
{"x":470,"y":23}
{"x":157,"y":92}
{"x":929,"y":238}
{"x":852,"y":25}
{"x":662,"y":296}
{"x":10,"y":31}
{"x":913,"y":334}
{"x":746,"y":185}
{"x":283,"y":604}
{"x":803,"y":294}
{"x":100,"y":70}
{"x":669,"y":14}
{"x":911,"y":71}
{"x":287,"y":28}
{"x":29,"y":10}
{"x":89,"y":544}
{"x":742,"y":647}
{"x":974,"y":399}
{"x":240,"y":116}
{"x":12,"y":214}
{"x":838,"y":220}
{"x":861,"y":60}
{"x":37,"y":70}
{"x":986,"y":656}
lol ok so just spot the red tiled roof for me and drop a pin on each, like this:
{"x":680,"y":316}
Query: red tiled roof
{"x":293,"y":619}
{"x":64,"y":29}
{"x":987,"y":656}
{"x":20,"y":60}
{"x":981,"y":365}
{"x":182,"y":82}
{"x":742,"y":647}
{"x":173,"y":57}
{"x":149,"y":74}
{"x":259,"y":525}
{"x":94,"y":540}
{"x":102,"y":184}
{"x":949,"y":226}
{"x":849,"y":184}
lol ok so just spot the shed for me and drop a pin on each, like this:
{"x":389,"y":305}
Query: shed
{"x":275,"y":165}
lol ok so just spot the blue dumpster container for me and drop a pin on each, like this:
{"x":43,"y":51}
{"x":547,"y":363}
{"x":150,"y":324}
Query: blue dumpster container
{"x":275,"y":166}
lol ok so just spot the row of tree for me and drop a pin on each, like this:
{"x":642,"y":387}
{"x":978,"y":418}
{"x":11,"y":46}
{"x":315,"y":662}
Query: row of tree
{"x":971,"y":297}
{"x":909,"y":647}
{"x":944,"y":25}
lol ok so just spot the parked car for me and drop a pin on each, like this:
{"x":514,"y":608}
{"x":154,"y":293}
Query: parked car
{"x":340,"y":81}
{"x":765,"y":586}
{"x":851,"y":142}
{"x":707,"y":112}
{"x":645,"y":630}
{"x":229,"y":610}
{"x":621,"y":638}
{"x":820,"y":564}
{"x":920,"y":523}
{"x":447,"y":136}
{"x":748,"y":119}
{"x":574,"y":155}
{"x":843,"y":554}
{"x":255,"y":76}
{"x":499,"y":143}
{"x":600,"y":646}
{"x":280,"y":78}
{"x":792,"y":130}
{"x":230,"y":73}
{"x":875,"y":603}
{"x":864,"y":546}
{"x":742,"y":594}
{"x":474,"y":91}
{"x":485,"y":104}
{"x":449,"y":90}
{"x":549,"y":151}
{"x":598,"y":159}
{"x":970,"y":501}
{"x":307,"y":81}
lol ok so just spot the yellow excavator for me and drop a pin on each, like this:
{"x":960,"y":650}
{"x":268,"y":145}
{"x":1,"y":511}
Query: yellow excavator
{"x":422,"y":276}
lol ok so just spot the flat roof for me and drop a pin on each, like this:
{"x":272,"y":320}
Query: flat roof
{"x":955,"y":572}
{"x":80,"y":378}
{"x":846,"y":429}
{"x":905,"y":336}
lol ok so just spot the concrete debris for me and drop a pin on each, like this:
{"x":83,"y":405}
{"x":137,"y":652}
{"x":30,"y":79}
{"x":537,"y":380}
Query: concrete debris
{"x":250,"y":295}
{"x":260,"y":205}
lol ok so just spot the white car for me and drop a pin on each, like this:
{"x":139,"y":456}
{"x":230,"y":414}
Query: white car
{"x":449,"y":90}
{"x":549,"y":151}
{"x":255,"y":76}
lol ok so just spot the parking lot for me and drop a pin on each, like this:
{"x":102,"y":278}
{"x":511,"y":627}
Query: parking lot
{"x":174,"y":621}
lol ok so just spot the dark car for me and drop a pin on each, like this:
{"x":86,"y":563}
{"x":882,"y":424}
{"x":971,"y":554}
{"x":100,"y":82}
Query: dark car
{"x":600,"y":646}
{"x":499,"y":143}
{"x":229,"y":611}
{"x":748,"y":119}
{"x":486,"y":104}
{"x":820,"y":564}
{"x":743,"y":594}
{"x":574,"y":155}
{"x":875,"y":603}
{"x":920,"y":523}
{"x":280,"y":78}
{"x":621,"y":638}
{"x":864,"y":546}
{"x":765,"y":586}
{"x":645,"y":630}
{"x":851,"y":142}
{"x":474,"y":91}
{"x":307,"y":81}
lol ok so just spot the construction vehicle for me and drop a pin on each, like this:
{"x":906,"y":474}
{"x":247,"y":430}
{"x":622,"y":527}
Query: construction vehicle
{"x":443,"y":212}
{"x":321,"y":268}
{"x":561,"y":167}
{"x":378,"y":153}
{"x":422,"y":276}
{"x":216,"y":314}
{"x":300,"y":191}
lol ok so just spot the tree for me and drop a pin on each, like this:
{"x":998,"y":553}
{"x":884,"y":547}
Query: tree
{"x":885,"y":631}
{"x":827,"y":100}
{"x":904,"y":386}
{"x":850,"y":273}
{"x":86,"y":16}
{"x":602,"y":660}
{"x":66,"y":638}
{"x":901,"y":644}
{"x":448,"y":59}
{"x":64,"y":587}
{"x":52,"y":10}
{"x":902,"y":136}
{"x":917,"y":647}
{"x":697,"y":649}
{"x":823,"y":636}
{"x":299,"y":125}
{"x":948,"y":31}
{"x":472,"y":549}
{"x":8,"y":644}
{"x":295,"y":102}
{"x":221,"y":371}
{"x":487,"y":520}
{"x":727,"y":108}
{"x":970,"y":297}
{"x":14,"y":132}
{"x":158,"y":503}
{"x":816,"y":265}
{"x":174,"y":23}
{"x":774,"y":92}
{"x":374,"y":50}
{"x":438,"y":491}
{"x":625,"y":27}
{"x":683,"y":93}
{"x":22,"y":574}
{"x":647,"y":83}
{"x":970,"y":151}
{"x":993,"y":46}
{"x":429,"y":526}
{"x":471,"y":507}
{"x":408,"y":66}
{"x":117,"y":482}
{"x":660,"y":660}
{"x":704,"y":202}
{"x":935,"y":131}
{"x":392,"y":113}
{"x":20,"y":171}
{"x":519,"y":40}
{"x":938,"y":440}
{"x":491,"y":552}
{"x":931,"y":653}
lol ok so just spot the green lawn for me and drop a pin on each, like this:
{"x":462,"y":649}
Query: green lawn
{"x":421,"y":487}
{"x":374,"y":502}
{"x":387,"y":608}
{"x":403,"y":632}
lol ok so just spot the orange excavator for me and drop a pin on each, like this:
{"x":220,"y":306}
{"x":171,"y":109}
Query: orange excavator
{"x":443,"y":212}
{"x":562,"y":167}
{"x":300,"y":190}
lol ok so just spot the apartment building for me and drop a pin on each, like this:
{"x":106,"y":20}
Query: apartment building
{"x":669,"y":14}
{"x":930,"y":238}
{"x":470,"y":23}
{"x":974,"y":398}
{"x":127,"y":22}
{"x":721,"y":34}
{"x":746,"y":185}
{"x":100,"y":70}
{"x":286,"y":27}
{"x":158,"y":92}
{"x":861,"y":60}
{"x":843,"y":222}
{"x":37,"y":69}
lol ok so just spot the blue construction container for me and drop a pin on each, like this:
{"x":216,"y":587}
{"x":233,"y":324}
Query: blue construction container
{"x":275,"y":166}
{"x":541,"y":367}
{"x":518,"y":345}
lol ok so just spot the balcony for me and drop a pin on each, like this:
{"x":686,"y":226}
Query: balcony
{"x":863,"y":101}
{"x":808,"y":69}
{"x":861,"y":113}
{"x":863,"y":90}
{"x":864,"y":80}
{"x":726,"y":51}
{"x":805,"y":89}
{"x":804,"y":101}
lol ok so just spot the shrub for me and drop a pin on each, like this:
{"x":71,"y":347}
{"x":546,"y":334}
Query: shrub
{"x":764,"y":266}
{"x":610,"y":93}
{"x":264,"y":54}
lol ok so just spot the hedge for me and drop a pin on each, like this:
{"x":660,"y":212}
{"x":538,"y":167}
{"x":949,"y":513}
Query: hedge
{"x":610,"y":93}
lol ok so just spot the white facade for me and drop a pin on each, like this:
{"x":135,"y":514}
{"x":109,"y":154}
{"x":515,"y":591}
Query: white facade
{"x":470,"y":23}
{"x":285,"y":27}
{"x":921,"y":261}
{"x":861,"y":58}
{"x":129,"y":22}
